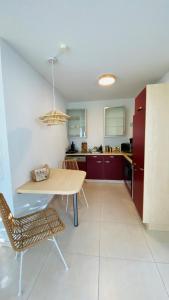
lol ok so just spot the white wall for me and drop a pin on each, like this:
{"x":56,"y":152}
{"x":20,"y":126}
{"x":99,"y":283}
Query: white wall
{"x":165,"y":78}
{"x":5,"y":175}
{"x":27,"y":96}
{"x":95,"y":122}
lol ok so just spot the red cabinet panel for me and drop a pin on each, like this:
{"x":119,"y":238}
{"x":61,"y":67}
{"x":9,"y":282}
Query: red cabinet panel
{"x":113,"y":167}
{"x":138,"y":138}
{"x":140,"y":101}
{"x":82,"y":165}
{"x":138,"y":150}
{"x":95,"y":167}
{"x":138,"y":188}
{"x":105,"y":167}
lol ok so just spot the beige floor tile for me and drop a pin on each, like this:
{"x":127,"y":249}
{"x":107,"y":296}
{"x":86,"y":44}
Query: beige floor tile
{"x":123,"y":241}
{"x":83,"y":239}
{"x":159,"y":244}
{"x":79,"y":282}
{"x":164,"y":272}
{"x":129,"y":280}
{"x":119,"y":211}
{"x":111,"y":228}
{"x":32,"y":263}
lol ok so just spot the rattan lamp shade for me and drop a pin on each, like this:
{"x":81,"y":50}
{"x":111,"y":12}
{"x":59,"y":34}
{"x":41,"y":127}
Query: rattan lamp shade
{"x":54,"y":118}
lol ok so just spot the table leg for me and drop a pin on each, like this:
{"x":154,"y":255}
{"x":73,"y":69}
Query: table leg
{"x":75,"y":208}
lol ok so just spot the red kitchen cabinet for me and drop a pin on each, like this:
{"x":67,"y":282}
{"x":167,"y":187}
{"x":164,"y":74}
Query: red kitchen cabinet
{"x":138,"y":138}
{"x":113,"y":167}
{"x":95,"y":164}
{"x":140,"y":101}
{"x":108,"y":167}
{"x":138,"y":150}
{"x":138,"y":188}
{"x":82,"y":165}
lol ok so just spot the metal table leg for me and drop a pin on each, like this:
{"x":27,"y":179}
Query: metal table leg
{"x":75,"y":208}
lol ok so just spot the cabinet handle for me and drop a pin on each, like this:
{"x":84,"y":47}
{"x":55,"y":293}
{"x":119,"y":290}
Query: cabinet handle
{"x":107,"y":161}
{"x":141,"y":169}
{"x":99,"y":162}
{"x":140,"y":108}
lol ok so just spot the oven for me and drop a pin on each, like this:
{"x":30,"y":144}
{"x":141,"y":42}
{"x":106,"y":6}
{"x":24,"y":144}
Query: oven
{"x":128,"y":170}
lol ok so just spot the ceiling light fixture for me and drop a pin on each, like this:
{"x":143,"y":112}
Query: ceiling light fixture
{"x":53,"y":117}
{"x":106,"y":79}
{"x":63,"y":47}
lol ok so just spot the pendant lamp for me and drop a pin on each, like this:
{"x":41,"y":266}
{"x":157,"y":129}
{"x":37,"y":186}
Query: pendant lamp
{"x":53,"y":117}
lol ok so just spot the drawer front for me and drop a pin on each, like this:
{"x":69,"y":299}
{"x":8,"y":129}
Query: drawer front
{"x":95,"y":158}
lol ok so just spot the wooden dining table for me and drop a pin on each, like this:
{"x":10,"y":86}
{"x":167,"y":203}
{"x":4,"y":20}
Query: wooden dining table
{"x":60,"y":182}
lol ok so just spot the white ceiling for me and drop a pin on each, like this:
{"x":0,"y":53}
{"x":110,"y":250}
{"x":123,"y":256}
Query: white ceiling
{"x":128,"y":38}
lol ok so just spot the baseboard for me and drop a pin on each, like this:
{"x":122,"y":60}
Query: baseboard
{"x":104,"y":180}
{"x":157,"y":227}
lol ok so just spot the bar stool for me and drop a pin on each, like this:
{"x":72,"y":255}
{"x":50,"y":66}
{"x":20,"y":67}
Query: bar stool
{"x":72,"y":165}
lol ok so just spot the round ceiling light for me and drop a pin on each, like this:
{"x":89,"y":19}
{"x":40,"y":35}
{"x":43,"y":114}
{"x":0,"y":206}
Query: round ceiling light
{"x":106,"y":79}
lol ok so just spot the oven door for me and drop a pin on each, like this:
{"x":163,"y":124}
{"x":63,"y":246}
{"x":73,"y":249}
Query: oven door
{"x":128,"y":176}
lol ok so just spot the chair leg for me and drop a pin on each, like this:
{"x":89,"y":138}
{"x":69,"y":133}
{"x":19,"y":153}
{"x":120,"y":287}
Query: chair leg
{"x":80,"y":197}
{"x":20,"y":274}
{"x":85,"y":198}
{"x":61,"y":255}
{"x":67,"y":203}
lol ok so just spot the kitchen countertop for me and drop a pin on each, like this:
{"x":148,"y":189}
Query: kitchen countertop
{"x":126,"y":155}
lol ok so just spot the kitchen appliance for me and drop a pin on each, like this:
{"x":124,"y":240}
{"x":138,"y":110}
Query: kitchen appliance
{"x":72,"y":149}
{"x":126,"y":147}
{"x":128,"y":175}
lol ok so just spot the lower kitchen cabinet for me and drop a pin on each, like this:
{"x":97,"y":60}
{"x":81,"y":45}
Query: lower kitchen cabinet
{"x":95,"y":167}
{"x":113,"y":167}
{"x":82,"y":165}
{"x":108,"y":167}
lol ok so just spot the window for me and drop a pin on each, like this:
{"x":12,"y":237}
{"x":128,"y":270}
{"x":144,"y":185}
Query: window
{"x":114,"y":121}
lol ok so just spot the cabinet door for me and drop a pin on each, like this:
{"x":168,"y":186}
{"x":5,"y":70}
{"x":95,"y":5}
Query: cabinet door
{"x":113,"y":167}
{"x":140,"y":101}
{"x":138,"y":138}
{"x":95,"y":167}
{"x":138,"y":187}
{"x":76,"y":125}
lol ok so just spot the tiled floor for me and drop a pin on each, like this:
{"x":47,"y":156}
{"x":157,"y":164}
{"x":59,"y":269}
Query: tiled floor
{"x":110,"y":255}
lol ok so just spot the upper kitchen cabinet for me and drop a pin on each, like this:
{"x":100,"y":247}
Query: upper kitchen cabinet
{"x":114,"y":121}
{"x":77,"y":123}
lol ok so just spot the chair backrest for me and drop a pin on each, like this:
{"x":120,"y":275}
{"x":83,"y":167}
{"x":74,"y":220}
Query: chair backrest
{"x":7,"y":217}
{"x":70,"y":164}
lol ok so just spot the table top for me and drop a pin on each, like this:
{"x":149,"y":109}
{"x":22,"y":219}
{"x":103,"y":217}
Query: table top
{"x":60,"y":182}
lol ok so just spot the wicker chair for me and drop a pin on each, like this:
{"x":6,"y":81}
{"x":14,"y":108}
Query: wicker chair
{"x":26,"y":231}
{"x":72,"y":165}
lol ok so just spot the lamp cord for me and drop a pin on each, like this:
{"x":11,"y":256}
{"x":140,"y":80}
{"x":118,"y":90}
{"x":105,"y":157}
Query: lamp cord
{"x":53,"y":83}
